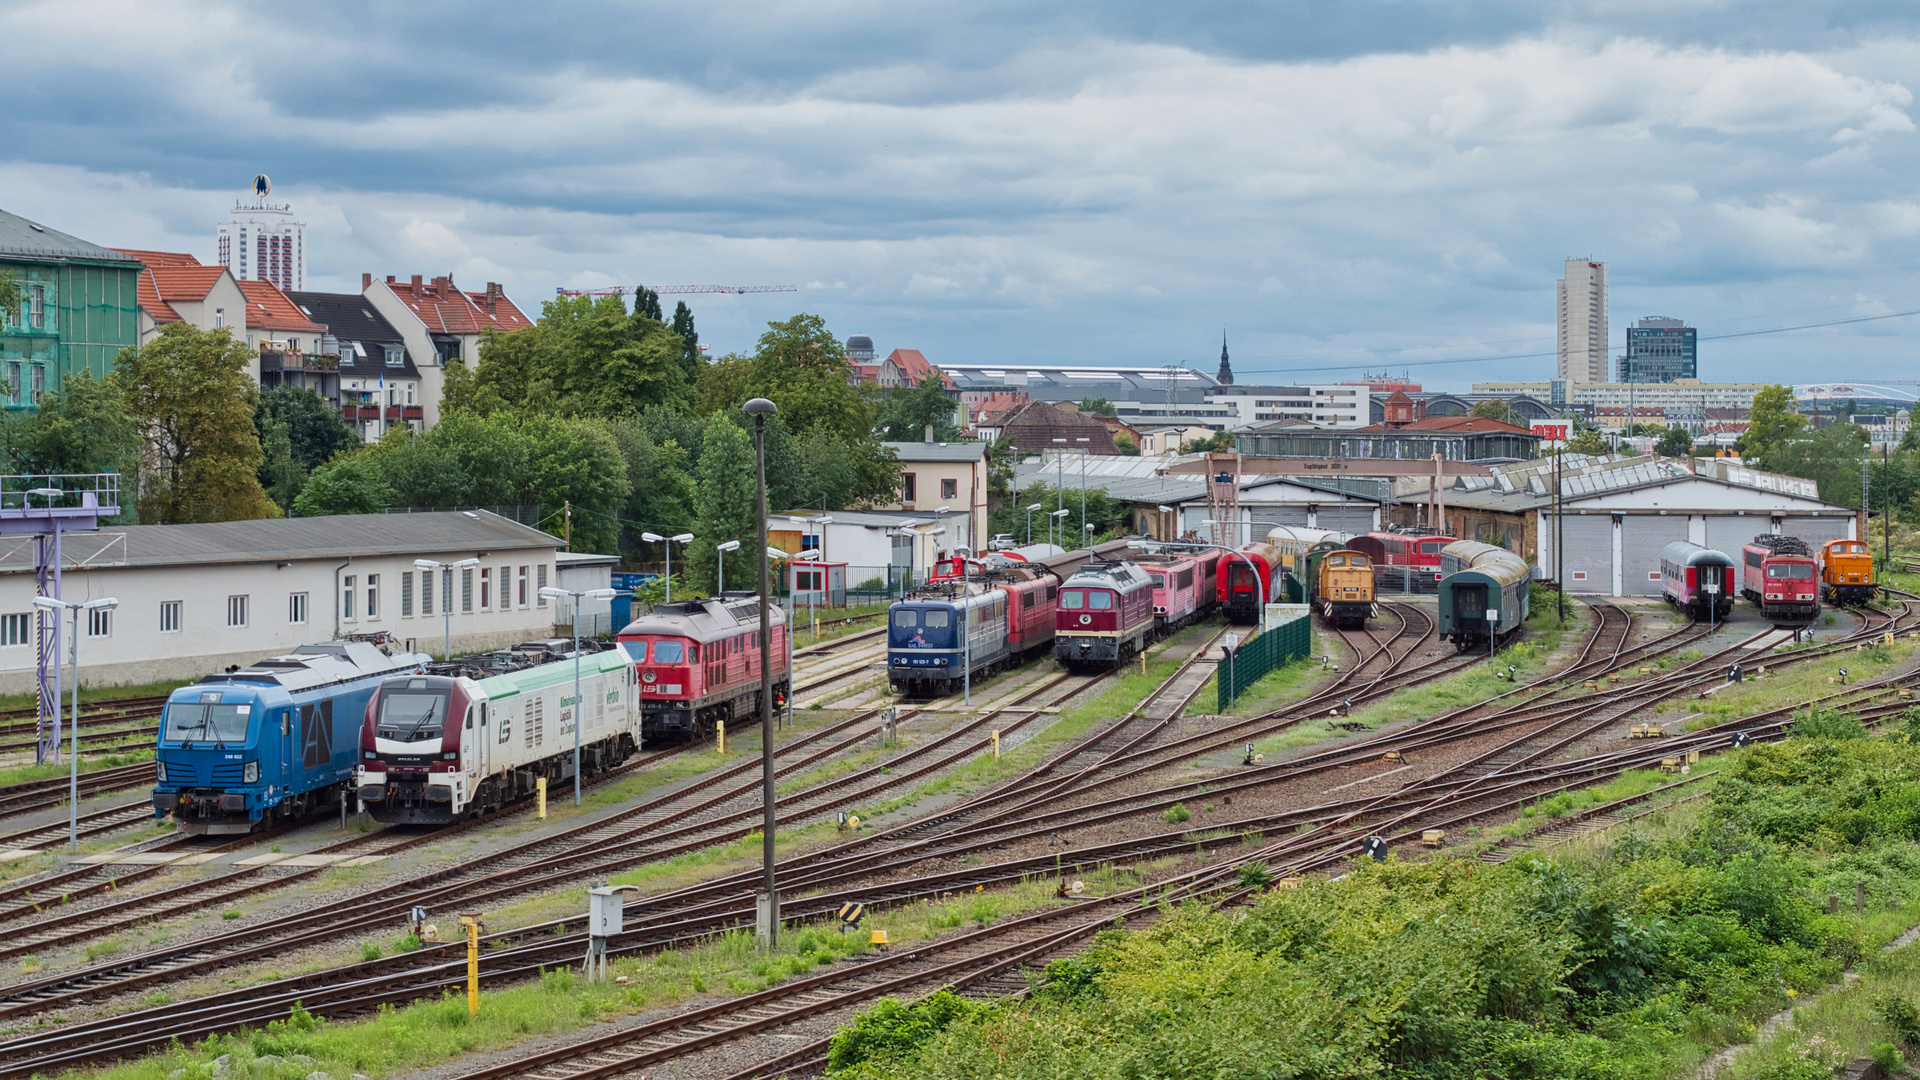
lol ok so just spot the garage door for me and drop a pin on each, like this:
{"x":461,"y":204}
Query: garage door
{"x":1357,"y":520}
{"x":1816,"y":530}
{"x":1728,"y":533}
{"x":1266,"y":517}
{"x":1641,"y":539}
{"x":1589,"y":553}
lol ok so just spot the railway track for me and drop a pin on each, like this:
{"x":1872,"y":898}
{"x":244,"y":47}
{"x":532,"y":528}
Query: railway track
{"x":1531,"y":776}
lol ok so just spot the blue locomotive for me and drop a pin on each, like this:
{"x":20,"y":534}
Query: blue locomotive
{"x":925,"y":653}
{"x":272,"y":741}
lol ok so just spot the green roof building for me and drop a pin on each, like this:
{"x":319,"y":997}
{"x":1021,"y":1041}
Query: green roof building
{"x":79,"y":306}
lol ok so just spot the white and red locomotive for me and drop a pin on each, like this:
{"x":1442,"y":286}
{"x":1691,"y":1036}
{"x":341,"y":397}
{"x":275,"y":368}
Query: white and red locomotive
{"x":699,"y":664}
{"x":1779,"y":575}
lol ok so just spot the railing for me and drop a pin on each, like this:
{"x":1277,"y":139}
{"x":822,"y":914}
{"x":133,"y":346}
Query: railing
{"x":38,"y":491}
{"x":271,"y":360}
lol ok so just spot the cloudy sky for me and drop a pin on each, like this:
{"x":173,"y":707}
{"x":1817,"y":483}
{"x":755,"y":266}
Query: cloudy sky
{"x":1367,"y":185}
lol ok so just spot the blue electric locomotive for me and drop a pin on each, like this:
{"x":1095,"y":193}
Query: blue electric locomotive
{"x":274,"y":740}
{"x":925,"y":654}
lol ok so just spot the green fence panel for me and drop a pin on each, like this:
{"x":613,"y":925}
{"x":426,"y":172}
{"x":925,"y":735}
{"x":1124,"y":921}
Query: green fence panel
{"x":1255,"y":658}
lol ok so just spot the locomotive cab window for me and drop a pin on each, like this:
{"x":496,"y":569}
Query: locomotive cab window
{"x":937,"y":617}
{"x":1789,"y":570}
{"x":1431,"y":547}
{"x":1100,"y":601}
{"x":1072,"y":599}
{"x":207,"y":722}
{"x":1336,"y":560}
{"x":412,"y":715}
{"x":667,"y":652}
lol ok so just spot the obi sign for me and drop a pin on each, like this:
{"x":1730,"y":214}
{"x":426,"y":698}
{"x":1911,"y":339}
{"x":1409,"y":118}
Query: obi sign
{"x":1550,"y":431}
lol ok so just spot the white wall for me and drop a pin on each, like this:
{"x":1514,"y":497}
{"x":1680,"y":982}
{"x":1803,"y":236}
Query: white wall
{"x":137,"y":650}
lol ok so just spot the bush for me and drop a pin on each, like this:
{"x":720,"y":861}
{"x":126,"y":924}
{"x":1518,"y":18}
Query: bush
{"x":1178,"y":813}
{"x":893,"y":1030}
{"x":370,"y":951}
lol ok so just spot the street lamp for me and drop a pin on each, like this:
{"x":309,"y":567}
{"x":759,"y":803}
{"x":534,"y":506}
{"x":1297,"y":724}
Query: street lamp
{"x":446,"y":596}
{"x":48,"y":603}
{"x":822,"y":521}
{"x":966,"y":625}
{"x":760,"y":409}
{"x":1030,"y":511}
{"x":720,"y":566}
{"x":577,"y":595}
{"x":656,"y":538}
{"x":1174,"y":528}
{"x":1057,"y":518}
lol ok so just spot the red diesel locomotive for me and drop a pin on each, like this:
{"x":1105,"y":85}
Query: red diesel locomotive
{"x":1185,"y":587}
{"x":1105,"y":616}
{"x":699,"y":664}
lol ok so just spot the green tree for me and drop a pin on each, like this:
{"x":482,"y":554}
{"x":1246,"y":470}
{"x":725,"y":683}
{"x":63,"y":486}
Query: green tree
{"x":905,"y":413}
{"x":662,"y":500}
{"x":690,"y":359}
{"x":1125,"y":444}
{"x":352,"y":484}
{"x":1590,"y":442}
{"x":1098,"y":406}
{"x":280,"y":474}
{"x":723,"y":504}
{"x":1771,"y":424}
{"x":586,"y":356}
{"x":192,"y":401}
{"x":1676,"y":442}
{"x":82,"y":428}
{"x":1220,"y":443}
{"x":9,"y":297}
{"x":646,"y":304}
{"x":315,"y":429}
{"x":1493,"y":409}
{"x":1829,"y":456}
{"x":803,"y":368}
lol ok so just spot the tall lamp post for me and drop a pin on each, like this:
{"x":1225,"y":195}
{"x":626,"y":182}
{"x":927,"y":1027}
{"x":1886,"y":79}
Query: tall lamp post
{"x":1030,"y":511}
{"x":579,"y":714}
{"x":1174,"y":516}
{"x":1058,"y":518}
{"x":776,"y":555}
{"x":720,"y":564}
{"x":446,"y":597}
{"x":760,"y":409}
{"x":683,"y":538}
{"x":73,"y":774}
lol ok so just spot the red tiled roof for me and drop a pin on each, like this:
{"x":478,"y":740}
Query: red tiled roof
{"x":161,"y":283}
{"x":914,"y":366}
{"x":269,"y":309}
{"x":157,"y":309}
{"x":447,"y":310}
{"x":160,"y":258}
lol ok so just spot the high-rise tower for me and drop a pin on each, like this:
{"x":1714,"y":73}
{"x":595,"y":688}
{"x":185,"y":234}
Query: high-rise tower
{"x":1226,"y":368}
{"x":1583,"y":322}
{"x":262,"y":242}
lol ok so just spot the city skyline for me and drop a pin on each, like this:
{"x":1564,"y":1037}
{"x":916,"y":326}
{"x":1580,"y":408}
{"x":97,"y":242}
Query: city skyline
{"x":1383,"y":187}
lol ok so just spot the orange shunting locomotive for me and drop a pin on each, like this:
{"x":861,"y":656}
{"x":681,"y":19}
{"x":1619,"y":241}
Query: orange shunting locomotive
{"x":1846,"y":572}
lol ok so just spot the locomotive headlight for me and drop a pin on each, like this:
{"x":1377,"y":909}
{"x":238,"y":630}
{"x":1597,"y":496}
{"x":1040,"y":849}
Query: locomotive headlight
{"x":449,"y":755}
{"x":250,"y":774}
{"x":160,"y":771}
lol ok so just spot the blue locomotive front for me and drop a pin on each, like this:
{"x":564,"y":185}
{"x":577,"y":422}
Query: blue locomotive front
{"x":925,"y":653}
{"x":274,"y":741}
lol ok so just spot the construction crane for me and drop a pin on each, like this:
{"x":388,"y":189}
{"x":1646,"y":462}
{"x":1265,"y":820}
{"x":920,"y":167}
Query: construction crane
{"x":677,"y":290}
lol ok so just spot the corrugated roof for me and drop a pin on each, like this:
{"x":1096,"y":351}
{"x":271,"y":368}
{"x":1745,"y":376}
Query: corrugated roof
{"x":293,"y":539}
{"x":872,"y":519}
{"x":31,"y":240}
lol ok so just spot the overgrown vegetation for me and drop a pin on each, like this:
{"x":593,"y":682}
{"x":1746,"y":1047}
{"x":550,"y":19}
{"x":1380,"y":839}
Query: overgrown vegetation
{"x":1632,"y":958}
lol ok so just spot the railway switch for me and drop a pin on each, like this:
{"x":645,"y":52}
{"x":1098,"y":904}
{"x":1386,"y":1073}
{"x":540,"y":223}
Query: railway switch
{"x":1740,"y":739}
{"x":606,"y":916}
{"x":1647,"y":731}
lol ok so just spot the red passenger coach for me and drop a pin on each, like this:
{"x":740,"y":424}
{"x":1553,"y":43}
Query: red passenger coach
{"x":1249,"y":579}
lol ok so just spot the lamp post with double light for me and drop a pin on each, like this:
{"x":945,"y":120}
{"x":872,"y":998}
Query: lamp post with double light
{"x":769,"y":915}
{"x":579,"y":713}
{"x":48,"y":603}
{"x":669,"y":541}
{"x":1057,"y":522}
{"x":720,"y":564}
{"x":1030,"y":511}
{"x":1173,"y":528}
{"x":446,"y":596}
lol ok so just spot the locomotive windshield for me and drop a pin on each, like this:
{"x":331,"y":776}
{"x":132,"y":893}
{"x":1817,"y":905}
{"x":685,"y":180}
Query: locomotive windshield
{"x":938,"y":617}
{"x":1431,"y":547}
{"x":668,"y":652}
{"x":1100,"y":601}
{"x":1072,"y":599}
{"x":412,"y":715}
{"x":206,"y":722}
{"x":906,"y":617}
{"x":1789,"y":570}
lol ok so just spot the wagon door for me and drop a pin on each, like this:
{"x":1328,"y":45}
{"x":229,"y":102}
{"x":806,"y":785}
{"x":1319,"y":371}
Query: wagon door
{"x":1469,"y":603}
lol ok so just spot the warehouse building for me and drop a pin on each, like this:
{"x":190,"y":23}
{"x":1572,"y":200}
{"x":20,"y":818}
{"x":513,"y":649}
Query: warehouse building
{"x":1620,"y":512}
{"x":197,"y":598}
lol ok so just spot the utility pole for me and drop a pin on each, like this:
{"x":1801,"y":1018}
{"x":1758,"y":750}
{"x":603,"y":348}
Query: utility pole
{"x":769,"y":913}
{"x":1559,"y":536}
{"x":568,"y":508}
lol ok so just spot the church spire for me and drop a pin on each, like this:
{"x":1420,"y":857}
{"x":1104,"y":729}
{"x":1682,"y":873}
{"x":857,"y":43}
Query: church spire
{"x":1226,"y":367}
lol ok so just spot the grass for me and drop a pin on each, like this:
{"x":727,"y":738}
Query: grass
{"x":1637,"y":782}
{"x":1841,"y":1025}
{"x":1798,"y":682}
{"x":97,"y":693}
{"x":21,"y":774}
{"x":397,"y":1040}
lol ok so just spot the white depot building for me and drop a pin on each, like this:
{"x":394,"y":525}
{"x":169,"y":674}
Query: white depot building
{"x":197,"y":598}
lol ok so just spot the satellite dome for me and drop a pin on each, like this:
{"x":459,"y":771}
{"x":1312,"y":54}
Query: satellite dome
{"x":860,"y":348}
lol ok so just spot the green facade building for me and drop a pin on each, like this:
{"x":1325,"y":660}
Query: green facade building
{"x":79,"y":306}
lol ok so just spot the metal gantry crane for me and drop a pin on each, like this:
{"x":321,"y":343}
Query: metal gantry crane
{"x":677,"y":290}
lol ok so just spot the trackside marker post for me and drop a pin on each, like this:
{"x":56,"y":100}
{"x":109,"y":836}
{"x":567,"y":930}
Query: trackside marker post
{"x":540,"y":788}
{"x":472,"y":924}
